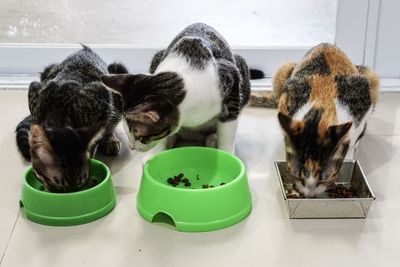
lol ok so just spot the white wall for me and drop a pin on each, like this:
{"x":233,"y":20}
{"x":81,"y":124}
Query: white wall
{"x":387,"y":56}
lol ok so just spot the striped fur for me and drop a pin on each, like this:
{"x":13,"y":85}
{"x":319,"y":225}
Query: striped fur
{"x":22,"y":136}
{"x":72,"y":113}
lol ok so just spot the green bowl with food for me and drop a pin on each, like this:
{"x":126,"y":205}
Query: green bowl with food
{"x":195,"y":188}
{"x":65,"y":209}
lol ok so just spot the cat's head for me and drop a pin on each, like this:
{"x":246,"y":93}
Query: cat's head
{"x":150,"y":106}
{"x":314,"y":150}
{"x":60,"y":157}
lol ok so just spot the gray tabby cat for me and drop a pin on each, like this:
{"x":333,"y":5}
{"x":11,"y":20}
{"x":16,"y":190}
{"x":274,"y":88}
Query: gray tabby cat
{"x":195,"y":90}
{"x":71,"y":112}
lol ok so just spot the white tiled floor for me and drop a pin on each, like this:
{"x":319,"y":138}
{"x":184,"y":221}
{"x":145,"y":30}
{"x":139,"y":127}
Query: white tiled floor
{"x":266,"y":238}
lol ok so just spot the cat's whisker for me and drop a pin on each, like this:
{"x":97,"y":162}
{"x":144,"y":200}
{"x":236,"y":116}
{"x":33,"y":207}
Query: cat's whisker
{"x":324,"y":102}
{"x":57,"y":132}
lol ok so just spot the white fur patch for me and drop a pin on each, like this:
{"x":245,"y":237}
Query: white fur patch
{"x":342,"y":113}
{"x":131,"y":138}
{"x":203,"y":100}
{"x":299,"y":115}
{"x":226,"y":132}
{"x":311,"y":181}
{"x":310,"y":189}
{"x":343,"y":116}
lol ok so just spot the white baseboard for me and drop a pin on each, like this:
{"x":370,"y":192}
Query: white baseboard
{"x":21,"y":82}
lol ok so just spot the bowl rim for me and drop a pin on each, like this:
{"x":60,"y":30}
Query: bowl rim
{"x":352,"y":161}
{"x":92,"y":160}
{"x":231,"y":183}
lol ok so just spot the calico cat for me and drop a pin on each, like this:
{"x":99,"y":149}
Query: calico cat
{"x":71,"y":111}
{"x":195,"y":90}
{"x":324,"y":105}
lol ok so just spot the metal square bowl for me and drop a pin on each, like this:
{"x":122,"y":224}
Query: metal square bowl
{"x":350,"y":174}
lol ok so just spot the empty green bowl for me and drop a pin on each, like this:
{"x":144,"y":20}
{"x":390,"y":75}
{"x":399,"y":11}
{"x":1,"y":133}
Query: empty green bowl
{"x":192,"y":208}
{"x":64,"y":209}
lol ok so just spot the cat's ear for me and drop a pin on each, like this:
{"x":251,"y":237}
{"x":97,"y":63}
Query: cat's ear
{"x":290,"y":125}
{"x":33,"y":95}
{"x":144,"y":113}
{"x":148,"y":117}
{"x":40,"y":145}
{"x":337,"y":132}
{"x":37,"y":136}
{"x":116,"y":81}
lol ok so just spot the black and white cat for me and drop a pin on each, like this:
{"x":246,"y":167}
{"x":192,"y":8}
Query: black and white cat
{"x":195,"y":90}
{"x":71,"y":112}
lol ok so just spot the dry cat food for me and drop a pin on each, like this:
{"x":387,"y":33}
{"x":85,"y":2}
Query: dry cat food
{"x":180,"y":178}
{"x":333,"y":191}
{"x":340,"y":191}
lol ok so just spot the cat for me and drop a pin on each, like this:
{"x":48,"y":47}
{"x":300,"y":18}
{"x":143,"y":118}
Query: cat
{"x":71,"y":113}
{"x":196,"y":90}
{"x":324,"y":102}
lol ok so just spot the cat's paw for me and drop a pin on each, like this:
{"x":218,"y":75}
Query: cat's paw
{"x":212,"y":140}
{"x":110,"y":147}
{"x":146,"y":158}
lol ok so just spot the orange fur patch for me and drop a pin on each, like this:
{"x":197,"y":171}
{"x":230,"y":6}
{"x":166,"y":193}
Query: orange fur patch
{"x":296,"y":126}
{"x":313,"y":167}
{"x":323,"y":87}
{"x":280,"y":77}
{"x":323,"y":94}
{"x":282,"y":105}
{"x":337,"y":60}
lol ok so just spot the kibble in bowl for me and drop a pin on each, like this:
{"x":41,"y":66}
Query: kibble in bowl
{"x":185,"y":184}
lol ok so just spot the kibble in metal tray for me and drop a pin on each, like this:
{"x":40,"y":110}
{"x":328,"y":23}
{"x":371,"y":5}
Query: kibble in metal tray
{"x":356,"y":202}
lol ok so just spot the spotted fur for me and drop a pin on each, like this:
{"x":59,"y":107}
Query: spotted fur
{"x":196,"y":80}
{"x":324,"y":103}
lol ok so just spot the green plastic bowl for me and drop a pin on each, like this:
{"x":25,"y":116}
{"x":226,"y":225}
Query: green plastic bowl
{"x":194,"y":208}
{"x":64,"y":209}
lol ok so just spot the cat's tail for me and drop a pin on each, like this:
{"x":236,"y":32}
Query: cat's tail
{"x":263,"y":99}
{"x":22,"y":137}
{"x":117,"y":68}
{"x":373,"y":80}
{"x":271,"y":99}
{"x":256,"y":74}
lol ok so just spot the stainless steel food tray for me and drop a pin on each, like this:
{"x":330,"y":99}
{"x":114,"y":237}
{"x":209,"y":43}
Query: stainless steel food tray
{"x":350,"y":174}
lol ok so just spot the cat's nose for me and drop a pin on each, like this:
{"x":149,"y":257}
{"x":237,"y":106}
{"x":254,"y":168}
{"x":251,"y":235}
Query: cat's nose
{"x":309,"y":194}
{"x":314,"y":191}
